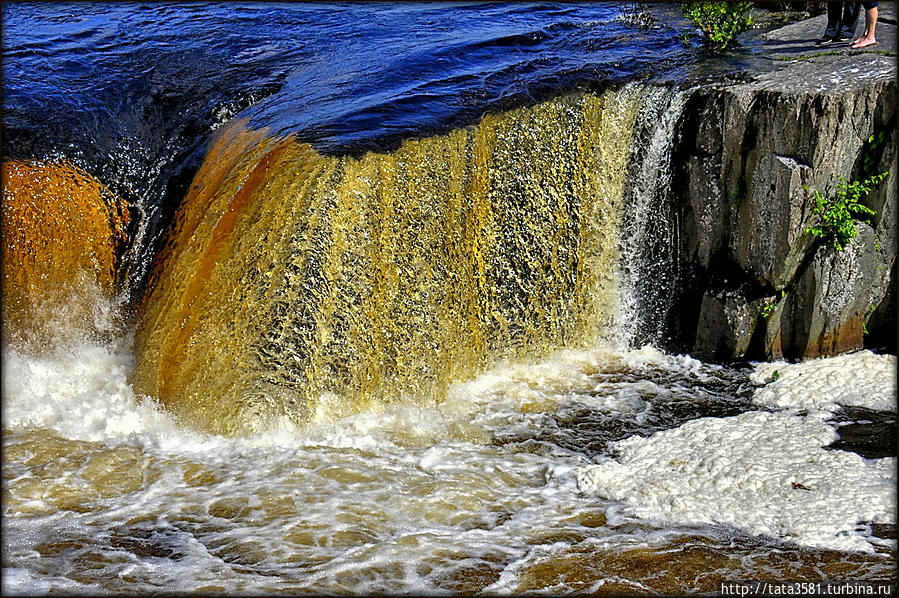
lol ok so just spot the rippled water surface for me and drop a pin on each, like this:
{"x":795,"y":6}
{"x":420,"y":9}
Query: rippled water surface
{"x":343,"y":73}
{"x":130,"y":91}
{"x":103,"y":491}
{"x":480,"y":490}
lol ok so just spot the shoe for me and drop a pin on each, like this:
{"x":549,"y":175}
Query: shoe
{"x":841,"y":38}
{"x":824,"y":40}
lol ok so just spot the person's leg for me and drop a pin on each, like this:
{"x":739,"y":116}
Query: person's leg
{"x":849,"y":19}
{"x":834,"y":11}
{"x":868,"y":39}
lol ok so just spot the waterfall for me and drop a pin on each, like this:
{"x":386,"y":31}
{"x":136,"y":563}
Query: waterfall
{"x":290,"y":276}
{"x":649,"y":261}
{"x":63,"y":233}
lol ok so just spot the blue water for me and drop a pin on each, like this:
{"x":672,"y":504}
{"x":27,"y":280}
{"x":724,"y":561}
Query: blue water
{"x":131,"y":90}
{"x":383,"y":71}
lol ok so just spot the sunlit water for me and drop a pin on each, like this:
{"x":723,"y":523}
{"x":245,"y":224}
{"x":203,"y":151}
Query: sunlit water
{"x":608,"y":469}
{"x":104,"y":491}
{"x":130,"y":92}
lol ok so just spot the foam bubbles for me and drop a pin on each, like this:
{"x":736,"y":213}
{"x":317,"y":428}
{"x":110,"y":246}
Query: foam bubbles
{"x":765,"y":472}
{"x":861,"y":379}
{"x":585,"y":376}
{"x":80,"y":391}
{"x":460,"y":496}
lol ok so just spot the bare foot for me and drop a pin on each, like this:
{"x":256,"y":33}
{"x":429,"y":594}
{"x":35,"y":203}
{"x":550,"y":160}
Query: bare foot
{"x":862,"y":42}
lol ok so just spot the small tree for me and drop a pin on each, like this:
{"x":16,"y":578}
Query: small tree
{"x":721,"y":22}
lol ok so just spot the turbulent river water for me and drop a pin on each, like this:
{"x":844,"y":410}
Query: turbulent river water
{"x":421,"y":356}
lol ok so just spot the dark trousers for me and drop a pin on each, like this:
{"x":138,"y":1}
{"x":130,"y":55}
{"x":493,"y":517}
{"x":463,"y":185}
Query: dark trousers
{"x":841,"y":19}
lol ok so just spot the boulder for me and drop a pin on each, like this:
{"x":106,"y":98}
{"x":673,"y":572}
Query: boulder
{"x":727,"y":323}
{"x":836,"y":293}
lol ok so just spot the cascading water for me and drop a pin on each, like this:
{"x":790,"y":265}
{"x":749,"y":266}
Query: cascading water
{"x":62,"y":233}
{"x":408,"y":370}
{"x":390,"y":275}
{"x":649,"y":268}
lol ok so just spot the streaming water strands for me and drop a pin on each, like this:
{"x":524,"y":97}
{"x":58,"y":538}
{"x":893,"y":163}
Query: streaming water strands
{"x":293,"y":277}
{"x":62,"y":235}
{"x":649,"y":266}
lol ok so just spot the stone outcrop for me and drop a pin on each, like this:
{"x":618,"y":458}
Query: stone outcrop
{"x":751,"y":155}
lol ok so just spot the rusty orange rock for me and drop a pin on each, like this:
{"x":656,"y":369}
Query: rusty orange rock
{"x":62,"y":233}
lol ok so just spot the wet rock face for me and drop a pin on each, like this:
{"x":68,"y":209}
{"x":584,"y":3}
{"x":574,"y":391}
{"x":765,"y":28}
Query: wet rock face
{"x":728,"y":320}
{"x":833,"y":295}
{"x":751,"y":156}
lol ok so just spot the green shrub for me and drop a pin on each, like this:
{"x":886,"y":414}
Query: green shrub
{"x":836,"y":214}
{"x":719,"y":21}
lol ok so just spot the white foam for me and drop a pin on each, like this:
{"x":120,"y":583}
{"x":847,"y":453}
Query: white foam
{"x":764,"y":472}
{"x":333,"y":485}
{"x":81,"y":391}
{"x":569,"y":375}
{"x":20,"y":581}
{"x":861,"y":379}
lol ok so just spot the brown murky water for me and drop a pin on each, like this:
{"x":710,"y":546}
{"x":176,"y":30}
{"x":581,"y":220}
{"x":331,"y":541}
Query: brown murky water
{"x":104,"y":492}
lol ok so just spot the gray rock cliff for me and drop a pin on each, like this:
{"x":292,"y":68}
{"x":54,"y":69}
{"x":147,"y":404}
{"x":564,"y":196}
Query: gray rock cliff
{"x":751,"y":155}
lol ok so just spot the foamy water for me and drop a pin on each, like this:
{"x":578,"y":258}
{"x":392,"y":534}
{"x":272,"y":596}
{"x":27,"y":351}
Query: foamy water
{"x":767,"y":472}
{"x":763,"y":472}
{"x":860,"y":379}
{"x":516,"y":481}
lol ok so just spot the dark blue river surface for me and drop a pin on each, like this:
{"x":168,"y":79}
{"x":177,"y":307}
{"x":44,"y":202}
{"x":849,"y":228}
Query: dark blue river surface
{"x":131,"y":91}
{"x":107,"y":77}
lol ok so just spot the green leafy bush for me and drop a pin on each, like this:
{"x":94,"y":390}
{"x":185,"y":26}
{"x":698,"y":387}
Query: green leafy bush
{"x":836,"y":214}
{"x":721,"y":22}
